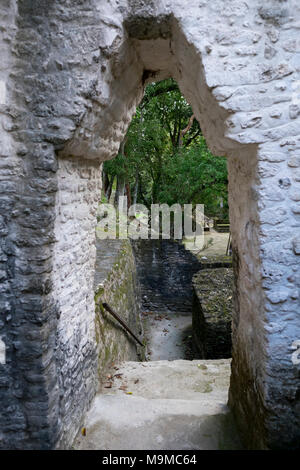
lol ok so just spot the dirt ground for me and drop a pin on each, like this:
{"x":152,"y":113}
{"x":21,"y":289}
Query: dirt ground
{"x":215,"y":243}
{"x":169,"y":336}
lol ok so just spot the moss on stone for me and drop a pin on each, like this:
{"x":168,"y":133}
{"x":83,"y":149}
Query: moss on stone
{"x":215,"y":261}
{"x":118,"y":290}
{"x":212,"y":312}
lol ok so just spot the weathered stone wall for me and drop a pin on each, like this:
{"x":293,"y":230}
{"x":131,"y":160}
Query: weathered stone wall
{"x":88,"y":339}
{"x":165,"y":269}
{"x":71,"y":74}
{"x":77,"y":199}
{"x":118,"y":287}
{"x":212,"y":312}
{"x":247,"y":326}
{"x":12,"y":418}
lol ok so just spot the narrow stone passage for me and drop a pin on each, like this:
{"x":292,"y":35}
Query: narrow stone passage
{"x":170,"y":401}
{"x":165,"y":270}
{"x":168,"y":335}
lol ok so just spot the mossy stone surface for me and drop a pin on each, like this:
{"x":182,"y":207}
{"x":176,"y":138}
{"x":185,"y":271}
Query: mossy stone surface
{"x":116,"y":285}
{"x":212,"y":312}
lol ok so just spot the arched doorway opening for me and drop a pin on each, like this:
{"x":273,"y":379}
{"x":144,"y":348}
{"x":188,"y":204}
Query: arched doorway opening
{"x":146,"y":56}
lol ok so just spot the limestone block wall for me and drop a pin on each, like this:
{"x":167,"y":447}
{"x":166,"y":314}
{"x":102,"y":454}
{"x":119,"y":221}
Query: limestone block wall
{"x":248,"y":373}
{"x":212,"y":312}
{"x":117,"y":286}
{"x":71,"y":75}
{"x":74,"y":255}
{"x":12,"y":418}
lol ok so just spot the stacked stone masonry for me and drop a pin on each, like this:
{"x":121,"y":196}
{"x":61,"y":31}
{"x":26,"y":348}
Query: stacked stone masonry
{"x":71,"y":75}
{"x":212,"y":312}
{"x":117,"y":285}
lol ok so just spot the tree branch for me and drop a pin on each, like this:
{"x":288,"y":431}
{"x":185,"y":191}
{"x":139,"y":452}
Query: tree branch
{"x":184,"y":131}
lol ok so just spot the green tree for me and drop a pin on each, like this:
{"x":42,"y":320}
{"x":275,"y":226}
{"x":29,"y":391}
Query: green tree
{"x":164,"y":157}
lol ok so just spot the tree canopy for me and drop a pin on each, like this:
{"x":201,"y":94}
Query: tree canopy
{"x":164,"y":157}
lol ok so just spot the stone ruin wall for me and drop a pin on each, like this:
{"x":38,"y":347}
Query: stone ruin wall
{"x":71,"y":75}
{"x":120,"y":289}
{"x":77,"y":199}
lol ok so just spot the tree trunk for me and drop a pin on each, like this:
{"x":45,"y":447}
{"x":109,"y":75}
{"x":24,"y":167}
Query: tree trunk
{"x":120,"y":190}
{"x":128,"y":194}
{"x":136,"y":187}
{"x":105,"y":180}
{"x":109,"y":189}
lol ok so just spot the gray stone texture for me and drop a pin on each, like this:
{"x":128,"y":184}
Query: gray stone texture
{"x":212,"y":312}
{"x":71,"y":75}
{"x":118,"y":287}
{"x":163,"y":405}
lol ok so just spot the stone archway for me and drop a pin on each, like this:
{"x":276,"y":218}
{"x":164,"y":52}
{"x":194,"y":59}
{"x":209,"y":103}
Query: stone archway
{"x":66,"y":106}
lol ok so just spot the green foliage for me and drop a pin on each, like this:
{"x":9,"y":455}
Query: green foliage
{"x":170,"y":163}
{"x":194,"y":175}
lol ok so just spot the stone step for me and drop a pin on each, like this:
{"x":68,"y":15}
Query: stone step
{"x":182,"y":379}
{"x":166,"y":405}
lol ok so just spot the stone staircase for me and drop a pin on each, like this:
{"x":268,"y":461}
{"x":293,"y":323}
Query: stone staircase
{"x":162,"y":405}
